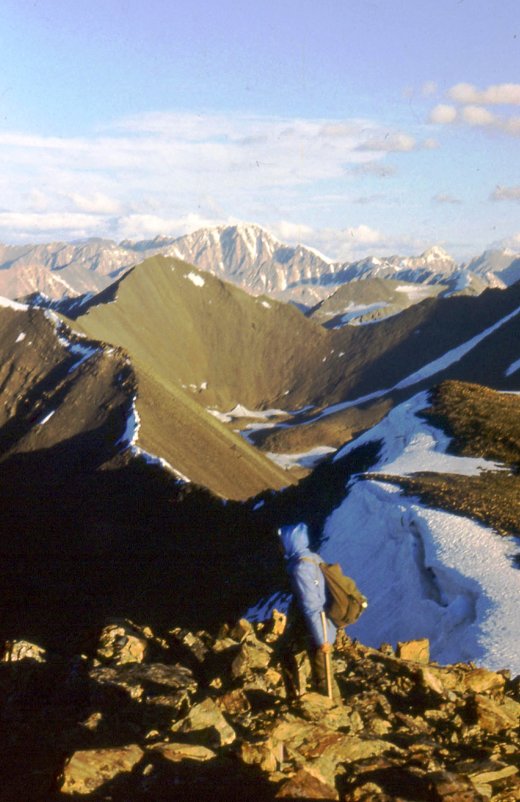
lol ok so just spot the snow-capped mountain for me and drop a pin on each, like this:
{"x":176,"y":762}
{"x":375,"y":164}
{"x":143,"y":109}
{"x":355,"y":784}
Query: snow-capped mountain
{"x":246,"y":255}
{"x":503,"y":263}
{"x":252,"y":258}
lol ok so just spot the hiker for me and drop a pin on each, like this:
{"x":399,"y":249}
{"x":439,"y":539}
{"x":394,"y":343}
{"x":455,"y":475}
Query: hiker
{"x":304,"y":630}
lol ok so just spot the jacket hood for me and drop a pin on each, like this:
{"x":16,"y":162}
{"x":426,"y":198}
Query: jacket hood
{"x":295,"y":540}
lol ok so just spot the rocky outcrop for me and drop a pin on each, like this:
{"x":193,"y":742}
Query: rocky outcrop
{"x":191,"y":716}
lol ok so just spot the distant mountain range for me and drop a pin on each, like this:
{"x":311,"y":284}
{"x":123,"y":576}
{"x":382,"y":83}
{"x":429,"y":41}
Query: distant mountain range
{"x":246,"y":255}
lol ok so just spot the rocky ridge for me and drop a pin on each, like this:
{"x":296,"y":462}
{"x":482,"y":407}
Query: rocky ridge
{"x":189,"y":715}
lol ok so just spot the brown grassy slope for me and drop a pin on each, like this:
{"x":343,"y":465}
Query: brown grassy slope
{"x":213,"y":334}
{"x":482,"y":423}
{"x":197,"y":445}
{"x":159,"y":317}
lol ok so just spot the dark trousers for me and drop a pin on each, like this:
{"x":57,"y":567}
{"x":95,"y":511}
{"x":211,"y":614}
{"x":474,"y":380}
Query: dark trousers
{"x":300,"y":660}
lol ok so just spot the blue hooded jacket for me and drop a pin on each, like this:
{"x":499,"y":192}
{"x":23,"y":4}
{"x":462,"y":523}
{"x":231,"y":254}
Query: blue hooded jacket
{"x":307,"y":580}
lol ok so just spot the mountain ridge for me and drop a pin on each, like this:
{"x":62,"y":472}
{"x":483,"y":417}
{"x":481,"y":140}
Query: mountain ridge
{"x":246,"y":254}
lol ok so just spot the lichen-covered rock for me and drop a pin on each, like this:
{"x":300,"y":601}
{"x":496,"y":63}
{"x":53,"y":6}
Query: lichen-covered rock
{"x":235,"y":702}
{"x":122,"y":642}
{"x":89,"y":769}
{"x":304,"y":785}
{"x":242,"y":629}
{"x":192,"y":643}
{"x":480,"y":680}
{"x":17,"y":650}
{"x":176,"y":752}
{"x":494,"y":717}
{"x":416,"y":650}
{"x":252,"y":655}
{"x":206,"y":724}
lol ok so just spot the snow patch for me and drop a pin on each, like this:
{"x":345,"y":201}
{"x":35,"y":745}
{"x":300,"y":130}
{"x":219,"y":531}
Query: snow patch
{"x":353,"y":311}
{"x":45,"y":418}
{"x":411,"y":445}
{"x":21,"y":337}
{"x":428,"y":573}
{"x":83,"y":351}
{"x":132,"y":426}
{"x":307,"y":459}
{"x":513,"y":368}
{"x":414,"y":292}
{"x":199,"y":281}
{"x":241,"y":411}
{"x":9,"y":304}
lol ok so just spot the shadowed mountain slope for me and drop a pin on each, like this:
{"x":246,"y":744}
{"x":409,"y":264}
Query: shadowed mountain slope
{"x":57,"y":389}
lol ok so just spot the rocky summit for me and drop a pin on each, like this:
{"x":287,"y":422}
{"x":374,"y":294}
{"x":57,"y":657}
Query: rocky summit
{"x":186,"y":715}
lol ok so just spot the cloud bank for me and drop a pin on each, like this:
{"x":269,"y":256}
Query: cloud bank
{"x":472,"y":109}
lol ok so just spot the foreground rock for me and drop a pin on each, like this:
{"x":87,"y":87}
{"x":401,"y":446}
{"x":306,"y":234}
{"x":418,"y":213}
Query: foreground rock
{"x":188,"y":716}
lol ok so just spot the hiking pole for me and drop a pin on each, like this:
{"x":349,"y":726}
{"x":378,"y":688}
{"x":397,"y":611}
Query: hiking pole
{"x":328,"y":668}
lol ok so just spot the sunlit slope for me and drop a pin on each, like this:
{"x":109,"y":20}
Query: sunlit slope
{"x":224,"y":346}
{"x":201,"y":339}
{"x":173,"y":333}
{"x":198,"y":446}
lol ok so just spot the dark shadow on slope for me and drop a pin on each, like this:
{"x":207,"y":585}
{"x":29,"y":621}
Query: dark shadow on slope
{"x":82,"y":541}
{"x":42,"y":709}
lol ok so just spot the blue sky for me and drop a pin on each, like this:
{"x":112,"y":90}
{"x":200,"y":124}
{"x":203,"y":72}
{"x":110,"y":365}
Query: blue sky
{"x":356,"y":127}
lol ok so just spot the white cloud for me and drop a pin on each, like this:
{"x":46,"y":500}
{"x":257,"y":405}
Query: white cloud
{"x":506,"y":194}
{"x":472,"y":110}
{"x":442,"y":114}
{"x":292,"y":232}
{"x":34,"y":226}
{"x":363,"y":234}
{"x":153,"y":169}
{"x":377,"y":169}
{"x":98,"y":203}
{"x":389,"y":143}
{"x":477,"y":115}
{"x":498,"y":94}
{"x":446,"y":198}
{"x":142,"y":226}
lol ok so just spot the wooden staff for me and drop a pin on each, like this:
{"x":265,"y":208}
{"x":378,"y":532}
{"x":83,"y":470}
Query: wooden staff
{"x":328,"y":669}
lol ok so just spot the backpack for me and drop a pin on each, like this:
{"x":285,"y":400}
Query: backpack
{"x":346,"y":600}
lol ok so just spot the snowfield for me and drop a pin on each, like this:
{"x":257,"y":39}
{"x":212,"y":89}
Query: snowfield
{"x":426,"y":573}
